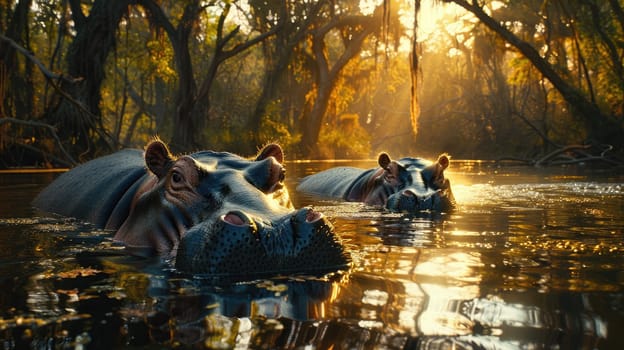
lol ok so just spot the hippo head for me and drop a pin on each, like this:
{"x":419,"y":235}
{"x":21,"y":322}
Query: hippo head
{"x":221,"y":214}
{"x":412,"y":184}
{"x":238,"y":243}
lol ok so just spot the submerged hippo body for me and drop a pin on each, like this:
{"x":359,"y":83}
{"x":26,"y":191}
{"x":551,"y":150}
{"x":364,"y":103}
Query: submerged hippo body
{"x":405,"y":185}
{"x":213,"y":212}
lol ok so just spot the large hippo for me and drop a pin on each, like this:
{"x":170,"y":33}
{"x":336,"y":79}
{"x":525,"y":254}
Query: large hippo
{"x":404,"y":185}
{"x":211,"y":212}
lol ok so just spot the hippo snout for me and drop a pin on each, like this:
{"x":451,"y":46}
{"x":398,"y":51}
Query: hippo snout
{"x":238,"y":243}
{"x":411,"y":201}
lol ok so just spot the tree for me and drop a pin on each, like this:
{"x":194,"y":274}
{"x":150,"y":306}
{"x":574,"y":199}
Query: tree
{"x":76,"y":111}
{"x":193,"y":103}
{"x":279,"y":53}
{"x":18,"y":99}
{"x":351,"y":31}
{"x":16,"y":80}
{"x":602,"y":127}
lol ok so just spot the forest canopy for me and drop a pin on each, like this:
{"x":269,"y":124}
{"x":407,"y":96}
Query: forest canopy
{"x":325,"y":79}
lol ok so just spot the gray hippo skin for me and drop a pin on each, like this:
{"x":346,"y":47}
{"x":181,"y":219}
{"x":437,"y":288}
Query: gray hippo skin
{"x":406,"y":185}
{"x":212,"y":212}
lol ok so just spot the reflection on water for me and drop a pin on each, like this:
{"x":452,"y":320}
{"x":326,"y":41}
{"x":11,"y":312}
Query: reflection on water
{"x":531,"y":259}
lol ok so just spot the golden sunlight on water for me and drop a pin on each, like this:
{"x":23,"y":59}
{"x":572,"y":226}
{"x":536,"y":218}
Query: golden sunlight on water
{"x":526,"y":261}
{"x":469,"y":271}
{"x":456,"y":266}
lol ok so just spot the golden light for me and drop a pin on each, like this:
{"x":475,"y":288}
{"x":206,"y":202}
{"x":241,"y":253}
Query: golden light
{"x":432,"y":15}
{"x":435,"y":16}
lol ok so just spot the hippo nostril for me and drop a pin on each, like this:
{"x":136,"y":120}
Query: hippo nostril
{"x":313,"y":216}
{"x":240,"y":221}
{"x":408,"y":193}
{"x":306,"y":215}
{"x":235,"y":218}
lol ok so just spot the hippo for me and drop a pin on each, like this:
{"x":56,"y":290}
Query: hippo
{"x":209,"y":212}
{"x":406,"y":185}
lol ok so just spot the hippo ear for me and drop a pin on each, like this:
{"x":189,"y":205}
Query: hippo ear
{"x":271,"y":150}
{"x":158,"y":158}
{"x":384,"y":160}
{"x":444,"y":160}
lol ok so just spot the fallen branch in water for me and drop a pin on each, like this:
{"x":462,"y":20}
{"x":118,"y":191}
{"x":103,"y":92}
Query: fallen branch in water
{"x":563,"y":152}
{"x":46,"y":154}
{"x":69,"y":160}
{"x":570,"y":155}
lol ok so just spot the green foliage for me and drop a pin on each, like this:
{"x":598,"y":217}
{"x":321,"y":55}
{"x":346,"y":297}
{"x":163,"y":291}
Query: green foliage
{"x":343,"y":139}
{"x":484,"y":99}
{"x":480,"y":97}
{"x":274,"y":131}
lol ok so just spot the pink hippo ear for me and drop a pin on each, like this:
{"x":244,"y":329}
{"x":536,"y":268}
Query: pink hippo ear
{"x":384,"y":160}
{"x":444,"y":160}
{"x":158,"y":158}
{"x":271,"y":150}
{"x":433,"y":174}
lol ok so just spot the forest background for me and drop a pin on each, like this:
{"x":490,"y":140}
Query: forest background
{"x":325,"y":79}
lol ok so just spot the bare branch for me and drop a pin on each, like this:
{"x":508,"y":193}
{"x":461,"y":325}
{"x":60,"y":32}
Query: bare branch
{"x":48,"y":127}
{"x":47,"y":73}
{"x":52,"y":79}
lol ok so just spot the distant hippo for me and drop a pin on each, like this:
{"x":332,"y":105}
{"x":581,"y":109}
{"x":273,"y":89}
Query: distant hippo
{"x":405,"y":185}
{"x":212,"y":212}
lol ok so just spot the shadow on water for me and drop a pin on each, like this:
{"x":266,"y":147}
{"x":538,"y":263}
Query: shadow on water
{"x":530,"y":259}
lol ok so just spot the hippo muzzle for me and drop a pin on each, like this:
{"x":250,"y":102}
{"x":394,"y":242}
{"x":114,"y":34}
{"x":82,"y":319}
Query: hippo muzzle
{"x":413,"y":201}
{"x":239,"y":244}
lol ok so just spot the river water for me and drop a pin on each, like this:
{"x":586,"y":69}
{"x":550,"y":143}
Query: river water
{"x":530,"y":259}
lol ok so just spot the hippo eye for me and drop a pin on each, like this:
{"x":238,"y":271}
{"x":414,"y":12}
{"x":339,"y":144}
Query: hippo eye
{"x":388,"y":176}
{"x":176,"y":177}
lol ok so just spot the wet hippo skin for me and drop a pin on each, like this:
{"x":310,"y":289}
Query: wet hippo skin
{"x":211,"y":212}
{"x":405,"y":185}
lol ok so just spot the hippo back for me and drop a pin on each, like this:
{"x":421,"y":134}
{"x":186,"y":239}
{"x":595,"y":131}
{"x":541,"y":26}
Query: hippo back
{"x":97,"y":190}
{"x":334,"y":182}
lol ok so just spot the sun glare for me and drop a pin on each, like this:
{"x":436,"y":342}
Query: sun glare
{"x":436,"y":16}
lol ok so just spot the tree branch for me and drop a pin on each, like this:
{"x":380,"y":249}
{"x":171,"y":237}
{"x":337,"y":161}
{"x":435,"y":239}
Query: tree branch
{"x":52,"y":78}
{"x":159,"y":18}
{"x":592,"y":114}
{"x":221,"y":55}
{"x":47,"y":73}
{"x":606,"y":40}
{"x":48,"y":127}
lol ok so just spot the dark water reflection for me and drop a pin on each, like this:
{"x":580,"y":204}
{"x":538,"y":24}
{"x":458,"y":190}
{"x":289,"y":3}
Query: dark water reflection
{"x":532,"y":258}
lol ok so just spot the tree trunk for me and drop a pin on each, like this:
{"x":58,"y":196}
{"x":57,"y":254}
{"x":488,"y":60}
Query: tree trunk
{"x":183,"y":137}
{"x":271,"y":82}
{"x":285,"y":42}
{"x":313,"y":121}
{"x":600,"y":127}
{"x":192,"y":105}
{"x":86,"y":59}
{"x":17,"y":82}
{"x":326,"y":76}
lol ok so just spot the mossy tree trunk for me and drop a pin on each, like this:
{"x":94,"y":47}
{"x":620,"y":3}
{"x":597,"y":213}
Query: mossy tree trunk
{"x":76,"y":113}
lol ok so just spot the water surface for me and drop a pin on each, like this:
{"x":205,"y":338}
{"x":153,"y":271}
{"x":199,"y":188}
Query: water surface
{"x":531,"y":259}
